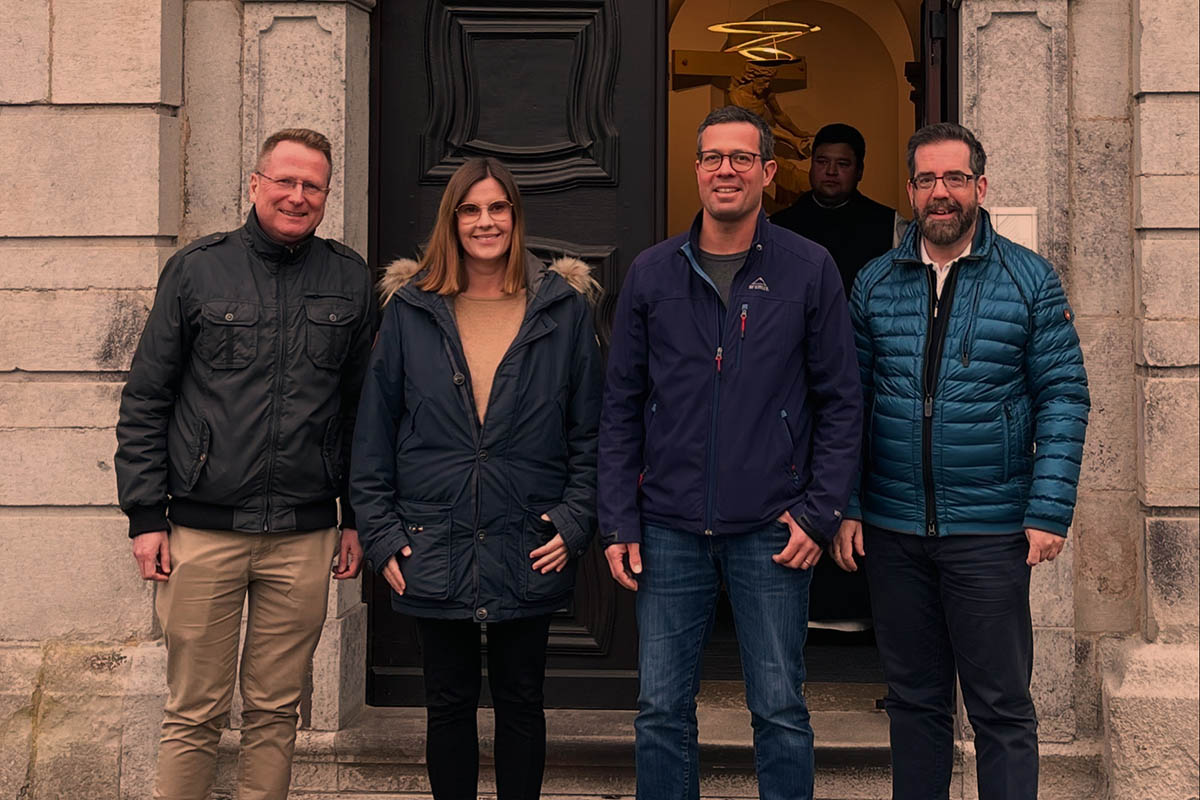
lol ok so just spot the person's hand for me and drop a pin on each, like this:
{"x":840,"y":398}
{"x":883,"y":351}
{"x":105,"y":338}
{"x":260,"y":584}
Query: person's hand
{"x":350,"y":556}
{"x":847,"y":542}
{"x":552,"y":555}
{"x":801,"y":551}
{"x":622,"y":574}
{"x":1043,"y":546}
{"x":391,"y":571}
{"x":153,"y":555}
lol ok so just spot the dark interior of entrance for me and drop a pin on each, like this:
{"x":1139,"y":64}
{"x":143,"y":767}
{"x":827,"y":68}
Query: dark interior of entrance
{"x":585,"y":101}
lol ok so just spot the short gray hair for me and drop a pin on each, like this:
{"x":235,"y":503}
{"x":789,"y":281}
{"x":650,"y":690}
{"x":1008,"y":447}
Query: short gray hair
{"x":720,"y":116}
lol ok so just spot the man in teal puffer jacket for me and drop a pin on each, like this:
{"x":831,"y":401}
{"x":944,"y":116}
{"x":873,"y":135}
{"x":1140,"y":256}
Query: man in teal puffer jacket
{"x":977,"y":403}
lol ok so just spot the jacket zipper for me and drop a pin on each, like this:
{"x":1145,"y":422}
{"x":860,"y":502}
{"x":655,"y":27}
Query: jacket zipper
{"x":276,"y":401}
{"x":742,"y":334}
{"x":935,"y":340}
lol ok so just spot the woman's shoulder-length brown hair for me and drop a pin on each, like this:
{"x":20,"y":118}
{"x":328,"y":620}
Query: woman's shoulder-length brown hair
{"x":443,"y":259}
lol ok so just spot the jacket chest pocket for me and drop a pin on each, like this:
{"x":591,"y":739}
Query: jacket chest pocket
{"x":328,"y":329}
{"x":228,"y":337}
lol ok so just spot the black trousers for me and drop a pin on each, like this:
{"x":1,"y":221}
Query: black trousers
{"x":941,"y":605}
{"x":516,"y":661}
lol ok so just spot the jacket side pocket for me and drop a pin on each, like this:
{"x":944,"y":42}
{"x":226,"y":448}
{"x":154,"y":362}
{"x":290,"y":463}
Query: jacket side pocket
{"x":427,"y":571}
{"x":332,"y":452}
{"x":535,"y":586}
{"x":199,"y":452}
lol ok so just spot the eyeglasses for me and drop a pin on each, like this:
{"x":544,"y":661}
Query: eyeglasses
{"x":711,"y":160}
{"x":310,"y":190}
{"x":497,"y":209}
{"x":952,"y":180}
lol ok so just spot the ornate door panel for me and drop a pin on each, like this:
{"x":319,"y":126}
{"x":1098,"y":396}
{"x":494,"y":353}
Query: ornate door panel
{"x":571,"y":96}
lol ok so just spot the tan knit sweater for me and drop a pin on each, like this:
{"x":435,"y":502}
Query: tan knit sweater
{"x":487,"y":328}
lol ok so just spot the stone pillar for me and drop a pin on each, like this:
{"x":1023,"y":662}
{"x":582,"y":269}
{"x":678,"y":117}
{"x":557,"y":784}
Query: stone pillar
{"x":1015,"y":76}
{"x":90,"y":165}
{"x":1151,"y":695}
{"x":307,"y":64}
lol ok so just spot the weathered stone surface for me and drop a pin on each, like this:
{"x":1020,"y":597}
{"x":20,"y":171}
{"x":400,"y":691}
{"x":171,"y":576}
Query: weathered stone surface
{"x":1164,"y":46}
{"x":51,"y":404}
{"x":1169,"y":426}
{"x":339,"y":671}
{"x":1168,"y":343}
{"x":1166,"y":201}
{"x":141,"y":719}
{"x":1109,"y":453}
{"x":1052,"y":687}
{"x":328,"y":44}
{"x":1107,"y":561}
{"x":125,"y":51}
{"x":1172,"y":593}
{"x":213,"y":85}
{"x":71,"y":330}
{"x":98,"y":594}
{"x":57,"y":467}
{"x":1052,"y":590}
{"x":1022,"y":123}
{"x":64,"y":265}
{"x":25,"y":42}
{"x":1168,"y":282}
{"x":1150,"y":715}
{"x":19,"y":668}
{"x":1100,"y":273}
{"x":1100,"y":55}
{"x":1167,"y":130}
{"x":78,"y":747}
{"x":121,"y":179}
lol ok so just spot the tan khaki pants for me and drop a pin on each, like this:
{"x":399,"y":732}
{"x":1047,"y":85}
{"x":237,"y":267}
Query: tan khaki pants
{"x":286,"y":576}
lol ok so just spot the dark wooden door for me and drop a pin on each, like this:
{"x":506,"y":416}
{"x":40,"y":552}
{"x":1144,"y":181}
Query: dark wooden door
{"x":571,"y":95}
{"x":935,"y":78}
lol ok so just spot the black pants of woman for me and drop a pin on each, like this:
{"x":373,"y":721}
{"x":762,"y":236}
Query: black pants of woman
{"x":516,"y":661}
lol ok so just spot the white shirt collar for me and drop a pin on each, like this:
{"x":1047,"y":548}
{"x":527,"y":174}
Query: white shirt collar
{"x":966,"y":251}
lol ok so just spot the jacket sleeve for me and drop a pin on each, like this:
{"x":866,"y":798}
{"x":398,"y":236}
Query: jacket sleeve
{"x":621,"y":426}
{"x":575,"y":516}
{"x":353,"y":372}
{"x":373,"y":461}
{"x":146,"y":403}
{"x":836,"y":396}
{"x":1057,"y":385}
{"x":866,"y":375}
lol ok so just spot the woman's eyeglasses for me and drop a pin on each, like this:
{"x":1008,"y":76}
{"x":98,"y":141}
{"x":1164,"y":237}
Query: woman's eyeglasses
{"x":497,"y":209}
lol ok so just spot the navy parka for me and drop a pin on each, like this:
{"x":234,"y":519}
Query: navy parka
{"x":468,"y":497}
{"x":716,"y":420}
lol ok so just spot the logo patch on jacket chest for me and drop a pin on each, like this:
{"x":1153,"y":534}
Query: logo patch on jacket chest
{"x":759,"y":285}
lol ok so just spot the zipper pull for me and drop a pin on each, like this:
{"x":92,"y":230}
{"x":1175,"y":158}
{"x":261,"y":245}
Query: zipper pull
{"x":745,"y":308}
{"x":720,"y":355}
{"x":936,"y":304}
{"x":966,"y":359}
{"x":931,"y":528}
{"x":928,"y":405}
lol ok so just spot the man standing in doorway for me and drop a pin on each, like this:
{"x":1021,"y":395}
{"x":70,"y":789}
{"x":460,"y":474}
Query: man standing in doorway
{"x":969,"y":359}
{"x":728,"y":444}
{"x":834,"y":214}
{"x":233,"y":442}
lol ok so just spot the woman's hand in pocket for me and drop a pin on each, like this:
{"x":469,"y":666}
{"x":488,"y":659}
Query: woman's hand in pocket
{"x":550,"y":556}
{"x":391,"y":571}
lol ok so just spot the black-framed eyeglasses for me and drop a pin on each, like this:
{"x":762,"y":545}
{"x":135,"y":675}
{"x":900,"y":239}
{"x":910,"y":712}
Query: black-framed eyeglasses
{"x":711,"y":160}
{"x":952,"y":180}
{"x":497,"y":209}
{"x":310,"y":190}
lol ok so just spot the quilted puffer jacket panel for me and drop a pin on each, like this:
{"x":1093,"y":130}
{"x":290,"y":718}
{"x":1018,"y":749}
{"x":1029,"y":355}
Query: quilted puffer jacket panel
{"x":1009,"y":406}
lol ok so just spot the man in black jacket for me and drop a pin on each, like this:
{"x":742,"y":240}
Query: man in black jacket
{"x":233,"y":438}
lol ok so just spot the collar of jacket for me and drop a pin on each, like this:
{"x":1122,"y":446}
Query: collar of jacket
{"x":270,"y":251}
{"x":762,"y":232}
{"x":909,"y":251}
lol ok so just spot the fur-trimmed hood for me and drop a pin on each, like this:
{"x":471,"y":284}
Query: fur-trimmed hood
{"x":574,"y":271}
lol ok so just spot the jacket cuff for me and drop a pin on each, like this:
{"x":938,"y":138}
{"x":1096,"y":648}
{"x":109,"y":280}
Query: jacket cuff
{"x":575,"y":537}
{"x":804,"y":518}
{"x":1047,"y":525}
{"x":384,"y":547}
{"x":622,"y":534}
{"x":147,"y":519}
{"x":349,"y":519}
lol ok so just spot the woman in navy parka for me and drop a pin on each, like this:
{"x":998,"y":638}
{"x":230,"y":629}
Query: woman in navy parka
{"x":476,"y":504}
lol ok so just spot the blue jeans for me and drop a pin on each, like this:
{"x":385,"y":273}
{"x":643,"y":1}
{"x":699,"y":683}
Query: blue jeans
{"x":676,"y":601}
{"x":947,"y":605}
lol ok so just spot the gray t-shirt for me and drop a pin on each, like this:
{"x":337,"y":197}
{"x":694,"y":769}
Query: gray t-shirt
{"x":721,"y":269}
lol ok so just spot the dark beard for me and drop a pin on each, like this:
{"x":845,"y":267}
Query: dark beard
{"x":944,"y":232}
